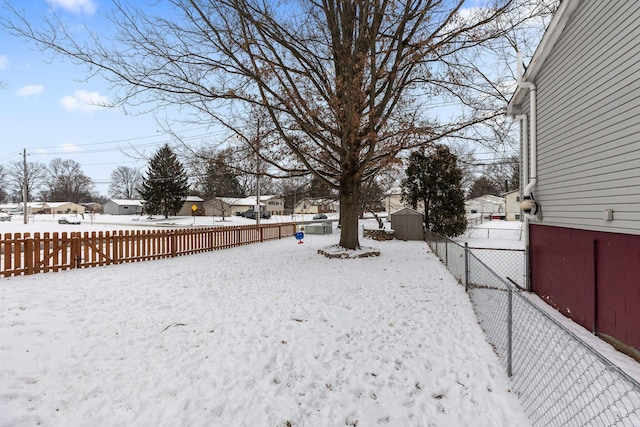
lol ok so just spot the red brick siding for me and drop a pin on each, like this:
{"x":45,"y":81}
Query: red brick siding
{"x":563,"y":274}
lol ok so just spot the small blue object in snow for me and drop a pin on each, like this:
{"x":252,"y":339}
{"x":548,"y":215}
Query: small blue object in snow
{"x":299,"y":236}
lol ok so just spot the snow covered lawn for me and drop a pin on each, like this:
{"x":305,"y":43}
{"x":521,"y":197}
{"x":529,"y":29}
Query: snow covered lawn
{"x":271,"y":334}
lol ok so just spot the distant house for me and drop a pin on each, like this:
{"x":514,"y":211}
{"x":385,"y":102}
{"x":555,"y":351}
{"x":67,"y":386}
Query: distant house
{"x":53,"y":208}
{"x":65,"y":208}
{"x":393,"y":202}
{"x":315,"y":206}
{"x":191,"y":202}
{"x":92,"y":207}
{"x":578,"y":104}
{"x":224,"y":206}
{"x":11,"y":208}
{"x":229,"y":206}
{"x":512,"y":205}
{"x":123,"y":207}
{"x":488,"y":206}
{"x":35,"y":208}
{"x":273,"y":204}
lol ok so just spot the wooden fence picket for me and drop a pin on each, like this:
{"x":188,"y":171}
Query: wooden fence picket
{"x":25,"y":254}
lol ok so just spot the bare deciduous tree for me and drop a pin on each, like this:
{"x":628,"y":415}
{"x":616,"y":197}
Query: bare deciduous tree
{"x":344,"y":84}
{"x":125,"y":182}
{"x":37,"y":177}
{"x":67,"y":182}
{"x":506,"y":173}
{"x":4,"y":194}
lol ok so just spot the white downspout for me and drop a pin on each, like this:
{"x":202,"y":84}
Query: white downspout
{"x":524,"y":146}
{"x":528,"y":204}
{"x":530,"y":163}
{"x":533,"y":141}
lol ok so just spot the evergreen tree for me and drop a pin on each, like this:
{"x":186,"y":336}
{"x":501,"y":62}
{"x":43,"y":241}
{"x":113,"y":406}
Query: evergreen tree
{"x":483,"y":186}
{"x":165,"y":186}
{"x":220,"y":180}
{"x":318,"y":189}
{"x":213,"y":174}
{"x":435,"y":180}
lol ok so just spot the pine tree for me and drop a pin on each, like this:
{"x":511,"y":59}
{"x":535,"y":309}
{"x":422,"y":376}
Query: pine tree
{"x":165,"y":186}
{"x":220,"y":180}
{"x":483,"y":186}
{"x":435,"y":180}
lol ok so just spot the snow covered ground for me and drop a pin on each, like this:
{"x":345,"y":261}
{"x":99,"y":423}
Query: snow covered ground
{"x":494,"y":234}
{"x":270,"y":334}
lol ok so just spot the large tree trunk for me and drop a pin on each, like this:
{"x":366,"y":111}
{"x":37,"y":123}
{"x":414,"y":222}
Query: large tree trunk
{"x":349,"y":212}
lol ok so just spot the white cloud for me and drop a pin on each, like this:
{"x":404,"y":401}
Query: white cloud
{"x":69,"y":148}
{"x":84,"y":101}
{"x":4,"y":62}
{"x":87,"y":7}
{"x":30,"y":90}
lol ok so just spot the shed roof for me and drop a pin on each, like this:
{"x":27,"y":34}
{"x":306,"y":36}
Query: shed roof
{"x":127,"y":202}
{"x":407,"y":211}
{"x":193,"y":199}
{"x":58,"y":204}
{"x":487,"y":198}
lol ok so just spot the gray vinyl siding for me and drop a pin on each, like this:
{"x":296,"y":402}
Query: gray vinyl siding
{"x":589,"y":120}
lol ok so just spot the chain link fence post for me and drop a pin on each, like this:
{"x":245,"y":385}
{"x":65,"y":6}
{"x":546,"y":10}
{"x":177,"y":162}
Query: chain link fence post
{"x":466,"y":267}
{"x":510,"y":331}
{"x":446,"y":252}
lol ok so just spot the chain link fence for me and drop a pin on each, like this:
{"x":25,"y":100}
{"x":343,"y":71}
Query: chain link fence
{"x":560,"y":379}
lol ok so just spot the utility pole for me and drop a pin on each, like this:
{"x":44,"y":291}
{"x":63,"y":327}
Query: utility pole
{"x":258,"y":210}
{"x":25,"y":190}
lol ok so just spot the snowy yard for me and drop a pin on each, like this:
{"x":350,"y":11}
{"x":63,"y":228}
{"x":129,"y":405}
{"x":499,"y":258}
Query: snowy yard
{"x":269,"y":334}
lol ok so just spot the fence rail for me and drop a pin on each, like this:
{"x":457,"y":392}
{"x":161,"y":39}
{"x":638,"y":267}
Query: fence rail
{"x":23,"y":254}
{"x":559,"y":378}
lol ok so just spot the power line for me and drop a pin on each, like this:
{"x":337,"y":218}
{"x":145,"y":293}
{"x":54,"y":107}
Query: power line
{"x":56,"y":150}
{"x":118,"y":141}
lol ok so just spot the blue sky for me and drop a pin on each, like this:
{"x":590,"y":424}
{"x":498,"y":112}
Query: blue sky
{"x":47,"y":108}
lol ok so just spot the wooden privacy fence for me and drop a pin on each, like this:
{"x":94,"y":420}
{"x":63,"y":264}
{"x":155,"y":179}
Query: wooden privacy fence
{"x":43,"y":252}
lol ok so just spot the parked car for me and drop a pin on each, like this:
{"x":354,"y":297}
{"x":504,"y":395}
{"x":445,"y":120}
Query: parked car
{"x":319,"y":216}
{"x":65,"y":220}
{"x":251,"y":214}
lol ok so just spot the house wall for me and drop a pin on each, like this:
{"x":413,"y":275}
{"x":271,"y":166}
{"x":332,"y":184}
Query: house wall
{"x":589,"y":276}
{"x":588,"y":104}
{"x":588,"y":127}
{"x":64,"y":208}
{"x":477,"y":206}
{"x":275,"y":206}
{"x":512,"y":206}
{"x":393,"y":203}
{"x":218,"y":207}
{"x":112,"y":208}
{"x":187,"y":207}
